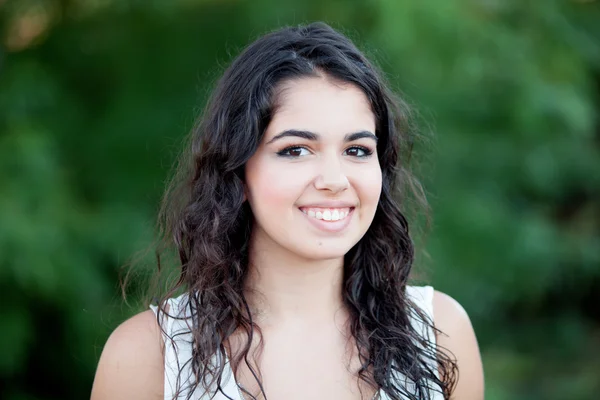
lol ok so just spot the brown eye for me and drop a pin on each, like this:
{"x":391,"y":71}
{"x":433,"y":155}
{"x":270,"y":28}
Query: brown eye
{"x":358,"y":151}
{"x":293,"y":152}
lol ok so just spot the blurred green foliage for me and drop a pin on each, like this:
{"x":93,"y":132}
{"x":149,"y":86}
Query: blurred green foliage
{"x":95,"y":97}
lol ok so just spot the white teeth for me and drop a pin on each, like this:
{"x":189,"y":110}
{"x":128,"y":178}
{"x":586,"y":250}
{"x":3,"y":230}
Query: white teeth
{"x":335,"y":215}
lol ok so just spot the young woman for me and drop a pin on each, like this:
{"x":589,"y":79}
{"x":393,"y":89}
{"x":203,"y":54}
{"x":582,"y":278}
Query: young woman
{"x":294,"y":249}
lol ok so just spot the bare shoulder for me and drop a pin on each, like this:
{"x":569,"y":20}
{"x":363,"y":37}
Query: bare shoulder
{"x":131,"y":365}
{"x":459,"y":338}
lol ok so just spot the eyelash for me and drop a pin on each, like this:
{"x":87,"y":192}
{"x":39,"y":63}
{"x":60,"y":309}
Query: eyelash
{"x":367,"y":152}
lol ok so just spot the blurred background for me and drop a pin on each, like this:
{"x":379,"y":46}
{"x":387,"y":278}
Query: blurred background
{"x":96,"y":96}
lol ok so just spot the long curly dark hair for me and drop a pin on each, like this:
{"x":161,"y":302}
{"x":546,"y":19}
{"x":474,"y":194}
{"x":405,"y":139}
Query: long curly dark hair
{"x":204,"y":217}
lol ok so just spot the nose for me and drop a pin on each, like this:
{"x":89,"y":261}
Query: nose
{"x":331,"y":177}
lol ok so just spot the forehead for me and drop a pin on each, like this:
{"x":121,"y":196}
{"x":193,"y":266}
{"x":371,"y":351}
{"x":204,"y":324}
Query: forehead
{"x":321,"y":105}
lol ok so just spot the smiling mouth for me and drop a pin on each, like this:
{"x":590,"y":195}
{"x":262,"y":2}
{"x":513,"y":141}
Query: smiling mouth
{"x":327,"y":214}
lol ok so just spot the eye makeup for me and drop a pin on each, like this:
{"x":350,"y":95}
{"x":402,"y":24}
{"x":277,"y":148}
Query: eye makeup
{"x":296,"y":151}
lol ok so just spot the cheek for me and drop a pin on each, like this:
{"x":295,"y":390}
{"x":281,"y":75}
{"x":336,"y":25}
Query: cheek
{"x":273,"y":186}
{"x":369,"y":186}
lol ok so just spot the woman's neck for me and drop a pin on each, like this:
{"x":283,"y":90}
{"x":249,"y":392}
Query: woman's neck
{"x":283,"y":287}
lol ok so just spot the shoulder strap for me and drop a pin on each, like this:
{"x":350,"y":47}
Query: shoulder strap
{"x":176,"y":323}
{"x":177,"y":337}
{"x":422,"y":296}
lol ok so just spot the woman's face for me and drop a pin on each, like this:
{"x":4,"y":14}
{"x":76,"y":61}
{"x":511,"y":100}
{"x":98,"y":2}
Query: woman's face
{"x":314,"y":183}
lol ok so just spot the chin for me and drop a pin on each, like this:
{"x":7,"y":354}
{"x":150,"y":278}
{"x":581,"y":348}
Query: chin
{"x":323,"y":252}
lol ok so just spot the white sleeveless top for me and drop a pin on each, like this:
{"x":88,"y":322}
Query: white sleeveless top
{"x":178,"y":350}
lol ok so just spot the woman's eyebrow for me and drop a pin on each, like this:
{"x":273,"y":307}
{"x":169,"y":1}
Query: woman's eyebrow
{"x":296,"y":133}
{"x":360,"y":135}
{"x":315,"y":136}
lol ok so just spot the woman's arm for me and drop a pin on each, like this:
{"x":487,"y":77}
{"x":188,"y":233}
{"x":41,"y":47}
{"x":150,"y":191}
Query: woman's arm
{"x":458,"y":337}
{"x":131,"y":366}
